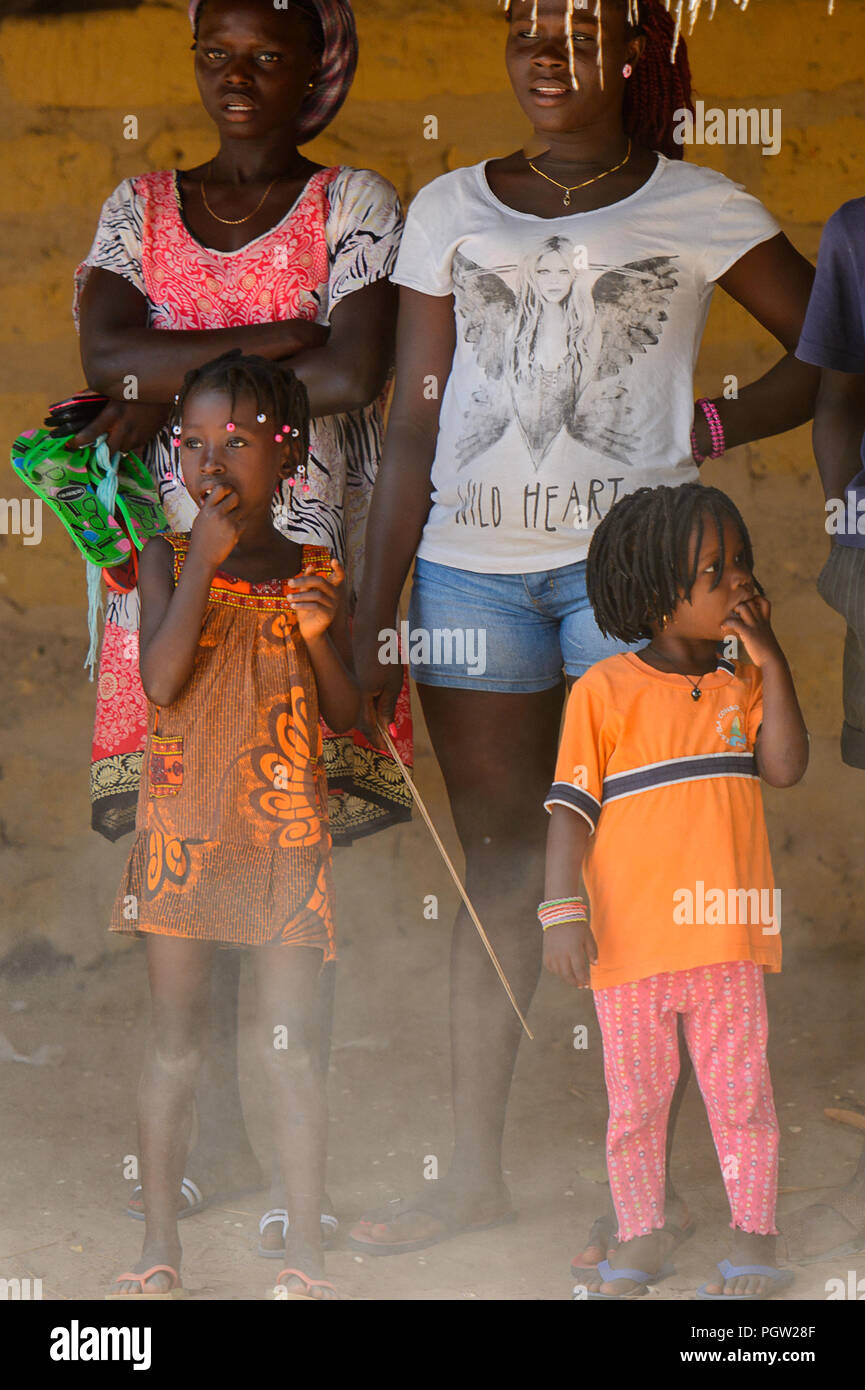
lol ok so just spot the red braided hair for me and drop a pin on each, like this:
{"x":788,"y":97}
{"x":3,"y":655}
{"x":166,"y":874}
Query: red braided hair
{"x":658,"y":88}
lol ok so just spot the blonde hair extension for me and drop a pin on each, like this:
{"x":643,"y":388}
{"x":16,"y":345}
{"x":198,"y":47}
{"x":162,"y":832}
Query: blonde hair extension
{"x":693,"y":14}
{"x":569,"y":34}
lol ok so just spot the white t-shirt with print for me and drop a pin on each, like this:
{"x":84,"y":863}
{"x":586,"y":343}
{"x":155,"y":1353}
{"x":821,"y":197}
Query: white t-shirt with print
{"x":577,"y":339}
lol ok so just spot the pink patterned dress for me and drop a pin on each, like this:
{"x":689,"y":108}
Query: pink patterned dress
{"x":341,"y":234}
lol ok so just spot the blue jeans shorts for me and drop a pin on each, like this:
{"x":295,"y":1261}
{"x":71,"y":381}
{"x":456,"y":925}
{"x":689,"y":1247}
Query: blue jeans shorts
{"x":513,"y":633}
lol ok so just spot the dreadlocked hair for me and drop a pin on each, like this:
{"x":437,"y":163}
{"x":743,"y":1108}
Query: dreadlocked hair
{"x":660,"y":84}
{"x":306,"y":8}
{"x":276,"y":390}
{"x":638,"y":568}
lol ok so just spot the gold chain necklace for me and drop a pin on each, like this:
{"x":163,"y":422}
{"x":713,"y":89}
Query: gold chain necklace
{"x":574,"y":186}
{"x":234,"y":221}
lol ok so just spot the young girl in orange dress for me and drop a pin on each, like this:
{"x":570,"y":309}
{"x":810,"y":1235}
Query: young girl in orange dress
{"x":243,"y":642}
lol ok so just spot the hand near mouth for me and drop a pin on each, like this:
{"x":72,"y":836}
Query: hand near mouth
{"x":749,"y":621}
{"x":218,"y":526}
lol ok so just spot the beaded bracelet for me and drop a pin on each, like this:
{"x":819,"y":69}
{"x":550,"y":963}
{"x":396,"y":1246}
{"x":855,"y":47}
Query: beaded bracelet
{"x":716,"y":431}
{"x":557,"y":910}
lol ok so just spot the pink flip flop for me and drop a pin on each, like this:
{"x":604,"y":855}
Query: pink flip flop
{"x":176,"y":1291}
{"x":307,"y":1283}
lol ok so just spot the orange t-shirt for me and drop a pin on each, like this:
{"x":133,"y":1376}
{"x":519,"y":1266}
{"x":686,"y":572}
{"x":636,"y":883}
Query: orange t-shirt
{"x":677,"y":868}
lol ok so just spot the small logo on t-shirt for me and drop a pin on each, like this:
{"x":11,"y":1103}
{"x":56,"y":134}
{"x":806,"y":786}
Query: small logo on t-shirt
{"x":730,"y":726}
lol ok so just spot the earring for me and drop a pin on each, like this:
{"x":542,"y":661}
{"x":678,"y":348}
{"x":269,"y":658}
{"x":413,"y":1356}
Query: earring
{"x":627,"y":70}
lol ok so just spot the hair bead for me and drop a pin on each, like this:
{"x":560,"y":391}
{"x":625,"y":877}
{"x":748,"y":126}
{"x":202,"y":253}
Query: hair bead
{"x":275,"y":390}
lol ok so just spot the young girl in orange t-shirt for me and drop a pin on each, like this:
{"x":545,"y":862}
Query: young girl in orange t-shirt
{"x":660,"y":759}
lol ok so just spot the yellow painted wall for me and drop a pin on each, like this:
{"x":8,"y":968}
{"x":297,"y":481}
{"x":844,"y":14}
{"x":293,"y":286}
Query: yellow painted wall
{"x":68,"y":84}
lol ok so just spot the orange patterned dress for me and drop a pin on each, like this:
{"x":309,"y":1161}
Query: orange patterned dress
{"x":233,"y":842}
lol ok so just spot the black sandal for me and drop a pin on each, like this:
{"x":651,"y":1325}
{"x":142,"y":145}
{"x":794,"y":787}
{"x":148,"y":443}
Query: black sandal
{"x":446,"y":1208}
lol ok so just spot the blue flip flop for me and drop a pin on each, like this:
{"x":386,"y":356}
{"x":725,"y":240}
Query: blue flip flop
{"x":781,"y":1279}
{"x":641,"y":1277}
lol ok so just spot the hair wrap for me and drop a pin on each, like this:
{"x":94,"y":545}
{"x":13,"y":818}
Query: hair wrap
{"x":338,"y":66}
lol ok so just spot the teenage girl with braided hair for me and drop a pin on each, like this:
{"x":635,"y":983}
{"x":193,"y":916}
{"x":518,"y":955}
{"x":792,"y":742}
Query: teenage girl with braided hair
{"x":499,"y":504}
{"x":242,"y":646}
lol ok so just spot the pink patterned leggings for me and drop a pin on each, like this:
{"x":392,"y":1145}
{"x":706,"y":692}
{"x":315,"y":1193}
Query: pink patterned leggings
{"x":724,"y":1014}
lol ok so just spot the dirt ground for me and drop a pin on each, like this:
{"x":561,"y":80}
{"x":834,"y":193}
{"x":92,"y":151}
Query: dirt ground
{"x":77,"y":1007}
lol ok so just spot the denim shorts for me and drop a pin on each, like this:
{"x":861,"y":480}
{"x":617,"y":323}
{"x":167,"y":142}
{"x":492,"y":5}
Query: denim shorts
{"x":513,"y":633}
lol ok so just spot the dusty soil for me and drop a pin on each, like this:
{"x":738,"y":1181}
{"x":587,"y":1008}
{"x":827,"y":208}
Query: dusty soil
{"x":78,"y":1004}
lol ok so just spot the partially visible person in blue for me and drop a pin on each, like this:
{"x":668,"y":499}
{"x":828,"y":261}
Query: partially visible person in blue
{"x":833,"y":338}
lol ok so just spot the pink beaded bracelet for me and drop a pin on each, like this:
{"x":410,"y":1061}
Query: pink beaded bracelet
{"x":716,"y":431}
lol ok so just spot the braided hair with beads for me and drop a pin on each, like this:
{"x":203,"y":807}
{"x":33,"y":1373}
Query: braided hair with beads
{"x":639,"y":566}
{"x":276,"y":390}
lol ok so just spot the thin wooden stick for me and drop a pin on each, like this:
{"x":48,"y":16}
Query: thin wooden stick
{"x":391,"y":747}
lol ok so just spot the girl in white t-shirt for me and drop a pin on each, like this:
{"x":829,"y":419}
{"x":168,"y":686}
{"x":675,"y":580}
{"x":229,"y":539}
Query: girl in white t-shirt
{"x":551,"y":314}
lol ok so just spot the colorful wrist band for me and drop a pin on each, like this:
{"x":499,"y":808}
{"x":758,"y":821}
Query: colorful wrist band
{"x":716,"y":432}
{"x":558,"y":910}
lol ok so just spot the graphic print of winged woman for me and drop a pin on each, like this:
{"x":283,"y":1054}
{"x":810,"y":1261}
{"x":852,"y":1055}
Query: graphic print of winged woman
{"x":556,"y":349}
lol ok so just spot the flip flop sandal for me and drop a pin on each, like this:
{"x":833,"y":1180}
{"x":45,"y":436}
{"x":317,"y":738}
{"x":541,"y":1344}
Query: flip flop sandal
{"x":63,"y":481}
{"x":278,"y":1215}
{"x":137,"y":499}
{"x":123,"y":579}
{"x":190,"y":1194}
{"x":679,"y":1233}
{"x":781,"y":1279}
{"x":176,"y":1291}
{"x":641,"y":1277}
{"x":274,"y":1294}
{"x":850,"y":1206}
{"x":437,"y":1209}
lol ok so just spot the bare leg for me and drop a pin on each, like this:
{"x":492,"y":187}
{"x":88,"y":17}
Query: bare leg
{"x":222,"y":1161}
{"x":497,"y":754}
{"x":179,"y":972}
{"x":292,"y":1055}
{"x":271,"y":1238}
